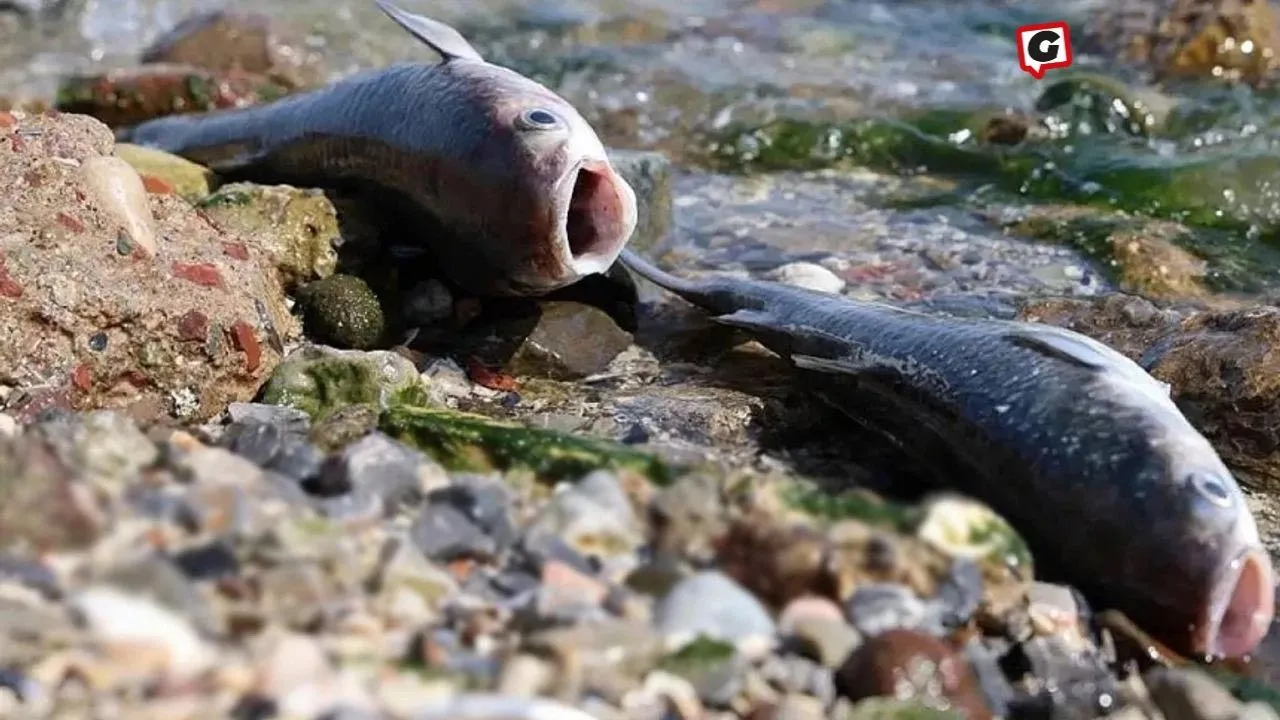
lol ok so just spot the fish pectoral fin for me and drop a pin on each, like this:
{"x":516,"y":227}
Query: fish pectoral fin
{"x":1064,"y":345}
{"x":752,"y":320}
{"x":441,"y":37}
{"x":841,"y":366}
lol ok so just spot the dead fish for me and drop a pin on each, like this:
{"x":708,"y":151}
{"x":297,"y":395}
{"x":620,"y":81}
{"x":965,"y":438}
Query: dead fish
{"x":1077,"y":446}
{"x":514,"y":191}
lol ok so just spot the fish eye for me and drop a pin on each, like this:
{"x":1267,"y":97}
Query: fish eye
{"x":1211,"y":487}
{"x":539,"y":119}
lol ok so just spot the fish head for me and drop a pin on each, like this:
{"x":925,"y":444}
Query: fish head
{"x":569,"y":209}
{"x":1220,"y":547}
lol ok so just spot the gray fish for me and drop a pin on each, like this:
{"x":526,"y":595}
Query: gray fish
{"x":1076,"y":445}
{"x":513,"y":191}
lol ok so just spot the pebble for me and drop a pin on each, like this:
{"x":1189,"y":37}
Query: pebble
{"x":444,"y":533}
{"x":712,"y":605}
{"x":119,"y":191}
{"x":394,"y":473}
{"x":808,"y":275}
{"x":875,"y":608}
{"x":1190,"y":694}
{"x":907,"y":664}
{"x":140,"y":633}
{"x":8,"y":426}
{"x":595,"y":517}
{"x":291,"y":420}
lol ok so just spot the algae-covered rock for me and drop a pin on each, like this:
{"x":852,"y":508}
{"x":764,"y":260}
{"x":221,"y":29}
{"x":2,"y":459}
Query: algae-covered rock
{"x":649,"y":174}
{"x":1098,"y":103}
{"x":1217,"y":40}
{"x":1141,"y":255}
{"x":342,"y":311}
{"x":130,"y":96}
{"x":296,"y":227}
{"x":318,"y":380}
{"x":188,"y":179}
{"x":469,"y":442}
{"x":964,"y":528}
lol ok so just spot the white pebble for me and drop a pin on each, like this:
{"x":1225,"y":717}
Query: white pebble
{"x":120,"y":193}
{"x":8,"y":426}
{"x":120,"y":621}
{"x":808,"y":275}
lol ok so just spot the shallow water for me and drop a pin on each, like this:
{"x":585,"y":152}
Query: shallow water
{"x":670,"y":74}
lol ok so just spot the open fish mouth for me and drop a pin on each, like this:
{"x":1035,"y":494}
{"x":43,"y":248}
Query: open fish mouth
{"x":1243,"y":607}
{"x":599,"y":216}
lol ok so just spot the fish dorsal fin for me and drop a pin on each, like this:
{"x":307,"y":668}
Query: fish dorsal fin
{"x":442,"y":38}
{"x":1067,"y":346}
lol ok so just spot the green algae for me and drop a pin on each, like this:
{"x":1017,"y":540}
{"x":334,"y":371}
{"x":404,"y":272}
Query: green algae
{"x":469,"y":442}
{"x":849,"y":505}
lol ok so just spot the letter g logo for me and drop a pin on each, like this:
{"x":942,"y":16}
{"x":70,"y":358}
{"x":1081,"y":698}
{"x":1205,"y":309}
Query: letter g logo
{"x":1043,"y":47}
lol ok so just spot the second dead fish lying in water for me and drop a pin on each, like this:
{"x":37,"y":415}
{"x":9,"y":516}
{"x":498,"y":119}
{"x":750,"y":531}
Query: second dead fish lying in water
{"x":1076,"y":445}
{"x":511,"y":189}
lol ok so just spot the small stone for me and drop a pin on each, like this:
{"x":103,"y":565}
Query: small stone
{"x":188,"y":179}
{"x":42,"y":505}
{"x":595,"y":517}
{"x":395,"y":473}
{"x":246,"y":341}
{"x":408,"y":586}
{"x":875,"y":608}
{"x":808,"y":275}
{"x":8,"y":426}
{"x":554,"y":349}
{"x":712,"y":605}
{"x":119,"y":193}
{"x":134,"y":630}
{"x":910,"y":665}
{"x":1190,"y":693}
{"x":819,"y":630}
{"x":342,"y":311}
{"x":289,"y":419}
{"x":444,"y":533}
{"x":160,"y":580}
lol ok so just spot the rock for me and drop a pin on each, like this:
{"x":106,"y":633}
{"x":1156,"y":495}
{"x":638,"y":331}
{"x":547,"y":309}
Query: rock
{"x":711,"y":605}
{"x":189,"y":180}
{"x":964,"y":528}
{"x":128,"y":96}
{"x":42,"y":505}
{"x":161,"y":581}
{"x":296,"y":227}
{"x":909,"y":665}
{"x":138,"y":633}
{"x":229,"y":40}
{"x":1191,"y":39}
{"x":104,"y":447}
{"x":342,"y":311}
{"x":878,"y":608}
{"x":444,"y":533}
{"x":779,"y":562}
{"x":290,"y":420}
{"x":181,"y":333}
{"x":595,"y":517}
{"x":808,"y":275}
{"x":397,"y":475}
{"x":409,"y":587}
{"x":318,"y":380}
{"x":649,"y":175}
{"x":269,"y":445}
{"x":119,"y":194}
{"x":344,"y":426}
{"x":553,"y":347}
{"x":1191,"y":694}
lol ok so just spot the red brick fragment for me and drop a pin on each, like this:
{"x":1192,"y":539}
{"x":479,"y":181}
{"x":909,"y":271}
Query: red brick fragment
{"x":193,"y":325}
{"x":247,"y":342}
{"x":71,"y":222}
{"x":7,"y":119}
{"x":8,"y":288}
{"x":157,"y":185}
{"x":235,"y":250}
{"x":136,"y":378}
{"x":199,"y":273}
{"x":483,"y":375}
{"x":16,"y":143}
{"x":82,"y":377}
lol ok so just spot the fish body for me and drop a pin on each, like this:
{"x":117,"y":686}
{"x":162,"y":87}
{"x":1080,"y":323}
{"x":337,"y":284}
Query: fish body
{"x":512,"y":190}
{"x":1076,"y":445}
